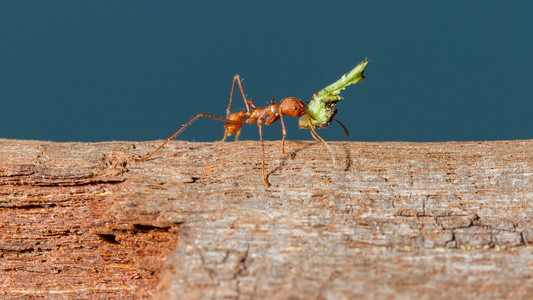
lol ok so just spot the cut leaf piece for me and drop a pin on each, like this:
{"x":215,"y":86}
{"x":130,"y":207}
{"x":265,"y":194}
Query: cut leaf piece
{"x":323,"y":105}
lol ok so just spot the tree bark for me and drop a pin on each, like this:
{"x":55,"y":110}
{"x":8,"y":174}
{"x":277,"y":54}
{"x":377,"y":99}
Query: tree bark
{"x":406,"y":220}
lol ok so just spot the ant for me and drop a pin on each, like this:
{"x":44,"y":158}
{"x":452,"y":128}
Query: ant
{"x":289,"y":106}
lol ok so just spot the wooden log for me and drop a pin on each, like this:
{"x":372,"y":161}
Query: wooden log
{"x":406,"y":220}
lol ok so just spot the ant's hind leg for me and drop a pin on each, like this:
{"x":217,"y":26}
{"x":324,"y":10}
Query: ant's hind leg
{"x":224,"y":138}
{"x":183,"y":128}
{"x":237,"y":134}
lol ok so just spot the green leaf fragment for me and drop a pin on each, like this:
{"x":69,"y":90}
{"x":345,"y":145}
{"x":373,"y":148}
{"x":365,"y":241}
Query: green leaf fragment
{"x":323,"y":105}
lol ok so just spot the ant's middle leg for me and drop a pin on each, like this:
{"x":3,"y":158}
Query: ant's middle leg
{"x":260,"y":125}
{"x":236,"y":79}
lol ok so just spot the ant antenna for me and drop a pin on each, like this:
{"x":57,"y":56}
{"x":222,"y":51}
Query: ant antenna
{"x":343,"y":127}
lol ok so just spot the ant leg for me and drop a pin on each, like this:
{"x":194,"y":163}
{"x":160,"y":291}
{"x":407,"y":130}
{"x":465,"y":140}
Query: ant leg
{"x":284,"y":131}
{"x":314,"y":136}
{"x":241,"y":87}
{"x":183,"y":128}
{"x":224,"y":138}
{"x":319,"y":138}
{"x":313,"y":132}
{"x":260,"y":125}
{"x":228,"y":111}
{"x":237,"y":135}
{"x":236,"y":79}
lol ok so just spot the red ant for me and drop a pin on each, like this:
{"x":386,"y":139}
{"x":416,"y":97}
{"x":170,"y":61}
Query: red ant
{"x":289,"y":106}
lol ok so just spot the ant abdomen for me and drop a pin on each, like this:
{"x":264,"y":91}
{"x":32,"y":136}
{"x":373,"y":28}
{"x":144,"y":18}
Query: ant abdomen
{"x":232,"y":128}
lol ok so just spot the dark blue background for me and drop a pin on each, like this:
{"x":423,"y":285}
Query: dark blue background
{"x":137,"y":70}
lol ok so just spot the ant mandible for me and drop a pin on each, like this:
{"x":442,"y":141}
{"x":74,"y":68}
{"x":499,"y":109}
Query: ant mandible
{"x":289,"y":106}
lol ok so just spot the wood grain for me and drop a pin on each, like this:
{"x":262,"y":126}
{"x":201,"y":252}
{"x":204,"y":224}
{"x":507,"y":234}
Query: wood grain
{"x":393,"y":220}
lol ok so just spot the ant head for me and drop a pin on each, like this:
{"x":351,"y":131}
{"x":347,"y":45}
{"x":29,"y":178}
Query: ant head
{"x":293,"y":107}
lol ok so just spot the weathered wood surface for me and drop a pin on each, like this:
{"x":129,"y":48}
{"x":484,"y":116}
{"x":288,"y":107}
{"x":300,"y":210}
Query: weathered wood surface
{"x":394,"y":220}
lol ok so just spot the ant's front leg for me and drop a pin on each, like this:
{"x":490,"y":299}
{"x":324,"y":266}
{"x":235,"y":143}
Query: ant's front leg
{"x":284,"y":131}
{"x":260,"y":125}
